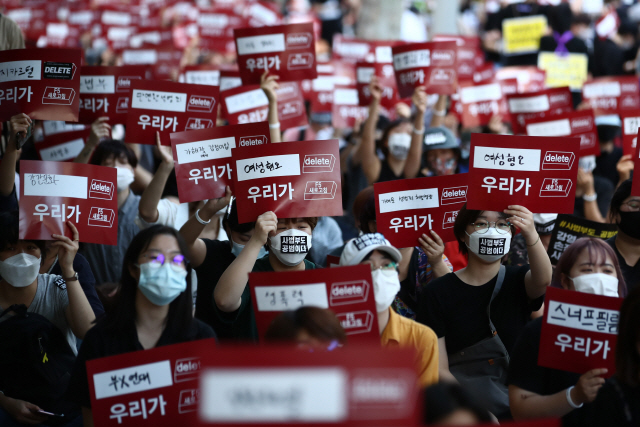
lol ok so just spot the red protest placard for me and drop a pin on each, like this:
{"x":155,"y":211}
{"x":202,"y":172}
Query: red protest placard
{"x":430,"y":64}
{"x":147,"y":388}
{"x":354,"y":50}
{"x":630,"y":125}
{"x":579,"y":331}
{"x":612,"y":95}
{"x":635,"y":184}
{"x":62,"y":146}
{"x":203,"y":74}
{"x":524,"y":106}
{"x":536,"y":172}
{"x":291,"y":179}
{"x":480,"y":102}
{"x":580,"y":124}
{"x":42,"y":83}
{"x":346,"y":109}
{"x":347,"y":291}
{"x":288,"y":51}
{"x":470,"y":55}
{"x":54,"y":192}
{"x":105,"y":92}
{"x":229,"y":79}
{"x":530,"y":78}
{"x":169,"y":107}
{"x":203,"y":157}
{"x":386,"y":79}
{"x":408,"y":208}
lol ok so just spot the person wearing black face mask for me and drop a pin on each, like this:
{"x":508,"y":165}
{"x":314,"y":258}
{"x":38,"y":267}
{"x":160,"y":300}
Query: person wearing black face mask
{"x":625,"y":212}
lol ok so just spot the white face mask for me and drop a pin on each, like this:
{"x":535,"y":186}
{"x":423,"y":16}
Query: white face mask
{"x":386,"y":286}
{"x":236,"y":248}
{"x":290,"y":246}
{"x":597,"y":284}
{"x":125,"y":178}
{"x":399,"y":144}
{"x":20,"y":270}
{"x":489,"y":246}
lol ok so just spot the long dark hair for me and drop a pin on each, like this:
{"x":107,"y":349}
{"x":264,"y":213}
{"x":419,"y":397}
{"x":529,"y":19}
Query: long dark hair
{"x":627,"y":357}
{"x":123,"y":317}
{"x":622,"y":192}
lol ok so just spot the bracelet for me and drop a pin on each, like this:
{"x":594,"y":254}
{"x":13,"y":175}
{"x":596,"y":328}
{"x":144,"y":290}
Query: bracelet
{"x":418,"y":132}
{"x":570,"y":402}
{"x":590,"y":198}
{"x":274,"y":125}
{"x":200,"y":220}
{"x":440,"y":113}
{"x":534,"y":243}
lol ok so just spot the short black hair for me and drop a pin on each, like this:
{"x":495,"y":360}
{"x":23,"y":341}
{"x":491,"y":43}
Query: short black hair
{"x":443,"y":399}
{"x":113,"y":148}
{"x":466,"y":217}
{"x":622,"y":192}
{"x":230,"y":220}
{"x":10,"y":226}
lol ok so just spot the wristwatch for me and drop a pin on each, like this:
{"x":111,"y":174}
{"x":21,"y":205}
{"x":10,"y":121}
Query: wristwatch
{"x":73,"y":278}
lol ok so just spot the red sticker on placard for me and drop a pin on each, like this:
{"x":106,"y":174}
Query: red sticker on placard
{"x":580,"y":124}
{"x":612,"y":95}
{"x":431,"y":64}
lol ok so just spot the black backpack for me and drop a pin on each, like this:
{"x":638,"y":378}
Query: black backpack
{"x":35,"y":361}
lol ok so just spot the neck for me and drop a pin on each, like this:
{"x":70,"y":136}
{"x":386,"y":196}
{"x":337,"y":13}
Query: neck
{"x":10,"y":295}
{"x":148,"y":315}
{"x":478,"y":272}
{"x":122,"y":197}
{"x":383,"y":320}
{"x":279,"y":266}
{"x":628,"y":246}
{"x":48,"y":262}
{"x":396,"y":165}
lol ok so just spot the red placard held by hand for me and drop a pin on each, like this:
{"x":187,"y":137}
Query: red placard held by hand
{"x":54,"y":192}
{"x":612,"y":95}
{"x":480,"y":102}
{"x":42,"y":83}
{"x":346,"y":109}
{"x":288,"y":51}
{"x":408,"y":208}
{"x":579,"y":331}
{"x":538,"y":173}
{"x":203,"y":158}
{"x":62,"y":146}
{"x":630,"y":126}
{"x":635,"y":185}
{"x":386,"y":80}
{"x":291,"y":179}
{"x":524,"y":106}
{"x":347,"y":291}
{"x":580,"y":124}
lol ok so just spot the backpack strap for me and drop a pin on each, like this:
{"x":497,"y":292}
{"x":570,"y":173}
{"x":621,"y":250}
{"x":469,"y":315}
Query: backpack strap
{"x":19,"y":309}
{"x":496,"y":289}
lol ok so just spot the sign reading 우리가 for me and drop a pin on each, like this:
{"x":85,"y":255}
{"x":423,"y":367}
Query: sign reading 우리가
{"x":347,"y":291}
{"x":525,"y":106}
{"x":203,"y":157}
{"x":408,"y":208}
{"x":522,"y":35}
{"x":42,"y":83}
{"x":612,"y":95}
{"x":630,"y":125}
{"x":580,"y":124}
{"x":288,"y":51}
{"x":54,"y":192}
{"x":291,"y":179}
{"x":540,"y":177}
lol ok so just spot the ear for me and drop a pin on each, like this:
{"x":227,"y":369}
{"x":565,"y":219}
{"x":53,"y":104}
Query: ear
{"x":566,"y":283}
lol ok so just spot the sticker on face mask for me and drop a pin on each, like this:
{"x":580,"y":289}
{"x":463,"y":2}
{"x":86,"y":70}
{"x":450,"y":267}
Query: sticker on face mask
{"x":293,"y":244}
{"x":491,"y":246}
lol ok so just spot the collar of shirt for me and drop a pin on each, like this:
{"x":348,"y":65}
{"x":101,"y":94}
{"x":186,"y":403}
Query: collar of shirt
{"x":392,"y":331}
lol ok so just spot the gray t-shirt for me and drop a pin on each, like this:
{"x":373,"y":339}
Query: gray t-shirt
{"x":51,"y":302}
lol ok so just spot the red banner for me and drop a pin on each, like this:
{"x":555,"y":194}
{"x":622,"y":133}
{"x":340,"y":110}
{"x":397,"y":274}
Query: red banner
{"x":347,"y":291}
{"x":62,"y":146}
{"x":203,"y":158}
{"x":42,"y":83}
{"x":288,"y":51}
{"x":346,"y":109}
{"x":536,"y":172}
{"x":547,"y":102}
{"x":480,"y":102}
{"x":291,"y":179}
{"x":580,"y":124}
{"x":408,"y":208}
{"x":579,"y":331}
{"x":147,"y":388}
{"x":169,"y":107}
{"x":612,"y":95}
{"x":630,"y":126}
{"x":105,"y":92}
{"x":54,"y":192}
{"x":430,"y":64}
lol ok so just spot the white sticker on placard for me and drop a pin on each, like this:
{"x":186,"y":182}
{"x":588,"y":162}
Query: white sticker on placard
{"x":209,"y":149}
{"x":603,"y":321}
{"x":133,"y":379}
{"x":97,"y":84}
{"x":143,"y":56}
{"x":273,"y":395}
{"x":203,"y":77}
{"x":261,"y":44}
{"x":66,"y":151}
{"x":472,"y":94}
{"x":20,"y":70}
{"x":533,"y":104}
{"x":599,"y":90}
{"x":551,"y":128}
{"x":364,"y":74}
{"x":227,"y":83}
{"x":54,"y":185}
{"x":413,"y":59}
{"x":268,"y":167}
{"x":282,"y":298}
{"x":116,"y":18}
{"x":159,"y":101}
{"x":631,"y":125}
{"x":246,"y":101}
{"x":345,"y":97}
{"x":491,"y":157}
{"x":425,"y":198}
{"x":384,"y":55}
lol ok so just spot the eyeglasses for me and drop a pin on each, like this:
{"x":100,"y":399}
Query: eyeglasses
{"x":157,"y":260}
{"x":502,"y":226}
{"x":634,"y":205}
{"x":388,"y":267}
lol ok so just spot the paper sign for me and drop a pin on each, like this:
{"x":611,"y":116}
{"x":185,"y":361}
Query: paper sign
{"x":408,"y":208}
{"x":470,"y":55}
{"x":288,"y":51}
{"x":536,"y":172}
{"x":480,"y":102}
{"x":522,"y":35}
{"x":347,"y":291}
{"x":291,"y":179}
{"x":580,"y":124}
{"x":630,"y":124}
{"x":147,"y":388}
{"x":579,"y":331}
{"x":612,"y":95}
{"x":430,"y":64}
{"x":201,"y":75}
{"x":229,"y":79}
{"x":527,"y":106}
{"x":42,"y":83}
{"x":105,"y":92}
{"x":386,"y":79}
{"x":54,"y":192}
{"x":346,"y":109}
{"x":62,"y":146}
{"x":169,"y":107}
{"x":564,"y":70}
{"x":354,"y":50}
{"x":568,"y":228}
{"x":203,"y":158}
{"x":530,"y":79}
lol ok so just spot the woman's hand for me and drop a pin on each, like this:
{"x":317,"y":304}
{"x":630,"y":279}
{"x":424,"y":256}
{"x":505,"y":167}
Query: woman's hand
{"x":214,"y":205}
{"x":375,"y":89}
{"x":269,"y":85}
{"x":67,"y":249}
{"x":433,"y":247}
{"x":586,"y":389}
{"x":165,"y":153}
{"x":19,"y":125}
{"x":100,"y":129}
{"x":522,"y":218}
{"x":419,"y":99}
{"x":624,"y":167}
{"x":266,"y":226}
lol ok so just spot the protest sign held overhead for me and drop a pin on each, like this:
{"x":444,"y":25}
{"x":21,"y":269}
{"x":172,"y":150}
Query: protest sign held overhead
{"x":630,"y":125}
{"x":469,"y":53}
{"x":354,"y":50}
{"x":430,"y":64}
{"x":568,"y":228}
{"x":202,"y":74}
{"x":564,"y":70}
{"x":635,"y":186}
{"x":63,"y":146}
{"x":522,"y":35}
{"x":526,"y":106}
{"x":480,"y":102}
{"x":580,"y":124}
{"x":612,"y":95}
{"x":346,"y":109}
{"x":386,"y":80}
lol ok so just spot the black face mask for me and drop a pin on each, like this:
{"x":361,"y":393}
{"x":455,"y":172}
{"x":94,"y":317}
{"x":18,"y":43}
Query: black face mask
{"x":630,"y":224}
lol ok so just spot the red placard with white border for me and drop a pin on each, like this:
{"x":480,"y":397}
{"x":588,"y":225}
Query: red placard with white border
{"x":203,"y":158}
{"x":580,"y":124}
{"x":42,"y":83}
{"x":169,"y":107}
{"x":386,"y":79}
{"x":147,"y":388}
{"x":291,"y":179}
{"x":538,"y":173}
{"x":62,"y":147}
{"x":530,"y":78}
{"x":346,"y":109}
{"x":579,"y":331}
{"x":203,"y":74}
{"x":635,"y":184}
{"x":288,"y":51}
{"x":354,"y":50}
{"x":480,"y":102}
{"x":408,"y":208}
{"x":525,"y":106}
{"x":430,"y":64}
{"x":470,"y":55}
{"x":229,"y":79}
{"x":612,"y":95}
{"x":54,"y":192}
{"x":105,"y":92}
{"x":630,"y":126}
{"x":347,"y":291}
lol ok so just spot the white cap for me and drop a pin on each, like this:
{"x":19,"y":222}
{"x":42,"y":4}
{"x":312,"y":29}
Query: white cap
{"x":357,"y":249}
{"x":609,"y":120}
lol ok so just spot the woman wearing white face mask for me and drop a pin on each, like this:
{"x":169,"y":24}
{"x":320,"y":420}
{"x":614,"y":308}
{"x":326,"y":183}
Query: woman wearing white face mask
{"x":289,"y":242}
{"x":589,"y":265}
{"x":478,"y":312}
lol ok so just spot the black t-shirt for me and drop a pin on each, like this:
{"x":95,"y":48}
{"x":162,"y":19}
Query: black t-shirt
{"x":458,"y":311}
{"x":631,"y":273}
{"x":604,"y":190}
{"x":617,"y":405}
{"x":608,"y":58}
{"x":386,"y":173}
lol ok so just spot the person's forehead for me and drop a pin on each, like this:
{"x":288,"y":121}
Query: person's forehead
{"x":594,"y":256}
